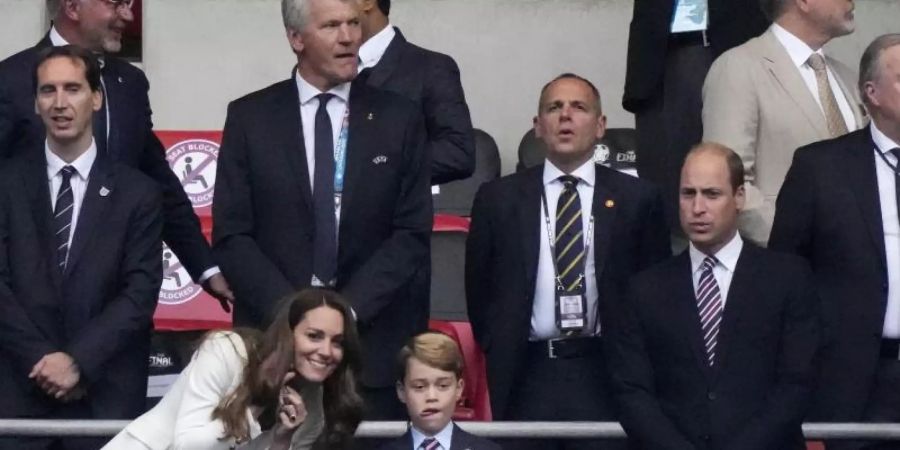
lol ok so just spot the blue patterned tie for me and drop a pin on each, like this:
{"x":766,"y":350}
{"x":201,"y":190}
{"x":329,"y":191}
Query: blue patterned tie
{"x":62,"y":216}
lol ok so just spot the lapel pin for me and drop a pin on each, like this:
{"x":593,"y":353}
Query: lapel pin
{"x":609,"y":204}
{"x":370,"y":116}
{"x":380,"y":159}
{"x":104,"y":191}
{"x":121,"y":80}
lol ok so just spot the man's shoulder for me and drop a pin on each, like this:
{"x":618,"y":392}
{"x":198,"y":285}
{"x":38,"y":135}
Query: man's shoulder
{"x":266,"y":95}
{"x":418,"y":53}
{"x":401,"y":443}
{"x":382,"y":99}
{"x":780,"y":264}
{"x":507,"y":184}
{"x":134,"y":185}
{"x":835,"y":149}
{"x":19,"y":66}
{"x":623,"y":182}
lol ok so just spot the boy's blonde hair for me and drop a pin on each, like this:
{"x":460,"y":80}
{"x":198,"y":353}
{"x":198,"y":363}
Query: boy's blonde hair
{"x":434,"y":349}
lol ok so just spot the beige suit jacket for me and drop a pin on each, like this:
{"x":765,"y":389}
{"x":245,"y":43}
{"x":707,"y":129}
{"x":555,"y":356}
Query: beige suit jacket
{"x":756,"y":103}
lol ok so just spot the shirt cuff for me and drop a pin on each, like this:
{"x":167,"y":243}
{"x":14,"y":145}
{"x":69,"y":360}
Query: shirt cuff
{"x":208,"y":273}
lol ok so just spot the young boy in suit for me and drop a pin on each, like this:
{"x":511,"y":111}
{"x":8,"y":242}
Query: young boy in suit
{"x":431,"y":383}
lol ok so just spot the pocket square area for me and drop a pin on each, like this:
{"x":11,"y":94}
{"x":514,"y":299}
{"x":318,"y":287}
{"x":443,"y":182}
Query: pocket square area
{"x":380,"y":159}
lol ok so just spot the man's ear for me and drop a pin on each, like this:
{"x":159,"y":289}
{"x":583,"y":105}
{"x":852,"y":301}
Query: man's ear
{"x":295,"y":39}
{"x":71,"y":9}
{"x":460,"y":387}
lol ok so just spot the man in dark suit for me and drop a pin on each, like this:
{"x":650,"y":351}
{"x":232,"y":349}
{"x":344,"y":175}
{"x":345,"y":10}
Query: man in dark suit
{"x":715,"y":348}
{"x":122,"y":127}
{"x":838,"y":209}
{"x":540,"y":295}
{"x":80,"y":267}
{"x":671,"y":44}
{"x":431,"y":79}
{"x":323,"y":184}
{"x":461,"y":440}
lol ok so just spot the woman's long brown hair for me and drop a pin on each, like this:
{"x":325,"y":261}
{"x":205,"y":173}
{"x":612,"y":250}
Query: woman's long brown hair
{"x":342,"y":403}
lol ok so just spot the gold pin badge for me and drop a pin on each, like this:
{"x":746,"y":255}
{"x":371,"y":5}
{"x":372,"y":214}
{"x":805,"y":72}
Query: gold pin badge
{"x":610,"y":203}
{"x":371,"y":116}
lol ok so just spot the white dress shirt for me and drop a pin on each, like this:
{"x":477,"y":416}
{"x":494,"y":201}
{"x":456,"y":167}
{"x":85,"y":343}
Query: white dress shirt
{"x":309,"y":104}
{"x":543,"y":314}
{"x":800,"y":53}
{"x":723,"y":271}
{"x":79,"y":179}
{"x":372,"y":50}
{"x":444,"y":437}
{"x":891,"y":225}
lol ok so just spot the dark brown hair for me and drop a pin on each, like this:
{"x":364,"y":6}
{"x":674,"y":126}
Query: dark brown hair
{"x":72,"y":53}
{"x":342,"y":403}
{"x":434,"y":349}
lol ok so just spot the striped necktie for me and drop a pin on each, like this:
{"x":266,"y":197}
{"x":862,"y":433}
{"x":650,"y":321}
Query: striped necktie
{"x":430,"y":444}
{"x":709,"y":304}
{"x":62,"y":216}
{"x":569,"y":237}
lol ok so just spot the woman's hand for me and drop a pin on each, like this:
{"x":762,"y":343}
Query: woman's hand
{"x":291,"y":411}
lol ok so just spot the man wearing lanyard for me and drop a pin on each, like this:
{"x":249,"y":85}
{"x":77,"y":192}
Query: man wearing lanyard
{"x":838,"y":208}
{"x":671,"y":44}
{"x":548,"y":254}
{"x":321,"y":183}
{"x":123,"y":129}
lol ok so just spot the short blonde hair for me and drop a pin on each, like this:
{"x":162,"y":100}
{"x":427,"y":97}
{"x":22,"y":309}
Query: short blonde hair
{"x":434,"y":349}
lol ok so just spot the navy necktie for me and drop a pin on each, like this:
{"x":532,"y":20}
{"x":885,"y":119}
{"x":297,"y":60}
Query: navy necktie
{"x":62,"y":216}
{"x":325,"y":245}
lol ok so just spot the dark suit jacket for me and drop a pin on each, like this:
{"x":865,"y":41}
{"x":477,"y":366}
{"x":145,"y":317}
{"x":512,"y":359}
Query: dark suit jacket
{"x":756,"y":394}
{"x":502,"y":258}
{"x":731,"y":23}
{"x":828,"y":211}
{"x":461,"y":441}
{"x":100,"y":310}
{"x":263,"y":229}
{"x":431,"y":79}
{"x":131,"y":142}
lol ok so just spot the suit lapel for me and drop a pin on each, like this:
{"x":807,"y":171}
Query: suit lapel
{"x":97,"y":198}
{"x":530,"y":214}
{"x":782,"y":68}
{"x":741,"y":293}
{"x":288,"y":128}
{"x":603,"y":210}
{"x":863,"y":182}
{"x":113,"y":84}
{"x":460,"y":440}
{"x":362,"y":136}
{"x":388,"y":62}
{"x":38,"y":191}
{"x":686,"y":305}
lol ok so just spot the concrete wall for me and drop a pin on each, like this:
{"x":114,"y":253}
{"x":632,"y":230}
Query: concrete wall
{"x":200,"y":54}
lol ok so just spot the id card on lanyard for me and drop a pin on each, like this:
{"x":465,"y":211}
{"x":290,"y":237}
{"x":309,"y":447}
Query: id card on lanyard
{"x":571,"y":304}
{"x":340,"y":163}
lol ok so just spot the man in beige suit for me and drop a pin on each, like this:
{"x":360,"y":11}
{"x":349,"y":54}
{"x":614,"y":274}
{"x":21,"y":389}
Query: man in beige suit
{"x":778,"y":92}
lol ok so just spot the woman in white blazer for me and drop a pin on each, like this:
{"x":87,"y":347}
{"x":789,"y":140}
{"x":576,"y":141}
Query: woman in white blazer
{"x":301,"y":373}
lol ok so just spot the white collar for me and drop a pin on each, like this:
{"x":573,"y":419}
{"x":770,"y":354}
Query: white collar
{"x":727,"y":256}
{"x":443,"y":437}
{"x":371,"y":51}
{"x":56,"y":39}
{"x":586,"y":173}
{"x":798,"y":50}
{"x":309,"y":92}
{"x":884,"y":143}
{"x":82,"y":164}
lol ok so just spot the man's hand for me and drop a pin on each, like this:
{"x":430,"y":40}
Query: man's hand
{"x":217,"y":286}
{"x":56,"y":374}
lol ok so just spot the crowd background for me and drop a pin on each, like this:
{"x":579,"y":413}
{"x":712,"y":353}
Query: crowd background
{"x":201,"y":54}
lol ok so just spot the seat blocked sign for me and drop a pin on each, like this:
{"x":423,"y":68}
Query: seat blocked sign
{"x":183,"y":305}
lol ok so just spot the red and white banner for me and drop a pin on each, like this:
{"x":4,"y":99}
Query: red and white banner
{"x":184,"y":305}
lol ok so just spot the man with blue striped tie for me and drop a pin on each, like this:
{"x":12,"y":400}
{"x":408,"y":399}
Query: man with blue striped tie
{"x":715,"y":348}
{"x":80,"y":266}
